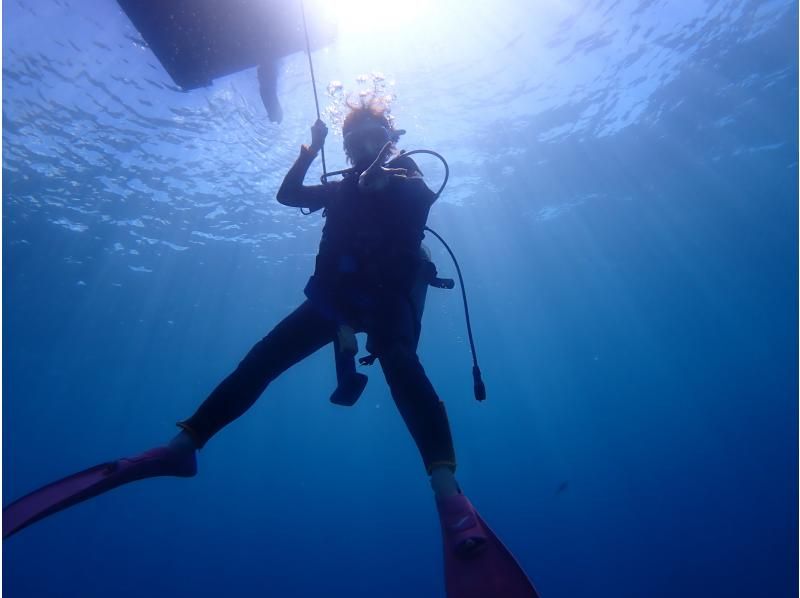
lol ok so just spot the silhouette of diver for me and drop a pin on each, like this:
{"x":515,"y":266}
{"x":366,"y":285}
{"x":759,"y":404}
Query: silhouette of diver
{"x":368,"y":264}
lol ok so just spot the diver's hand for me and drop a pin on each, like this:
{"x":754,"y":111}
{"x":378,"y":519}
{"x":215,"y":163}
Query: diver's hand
{"x":318,"y":134}
{"x":376,"y":177}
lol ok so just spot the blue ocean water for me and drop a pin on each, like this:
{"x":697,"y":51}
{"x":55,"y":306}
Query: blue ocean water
{"x":623,"y":203}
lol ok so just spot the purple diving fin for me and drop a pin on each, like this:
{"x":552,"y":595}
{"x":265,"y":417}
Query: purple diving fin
{"x":160,"y":461}
{"x":476,"y":563}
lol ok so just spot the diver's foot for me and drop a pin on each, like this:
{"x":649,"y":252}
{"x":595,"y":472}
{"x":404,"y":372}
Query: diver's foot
{"x":161,"y":461}
{"x":471,"y":547}
{"x":443,"y":482}
{"x":180,"y":454}
{"x":182,"y":442}
{"x":175,"y":459}
{"x":463,"y":531}
{"x":476,"y":563}
{"x":184,"y":462}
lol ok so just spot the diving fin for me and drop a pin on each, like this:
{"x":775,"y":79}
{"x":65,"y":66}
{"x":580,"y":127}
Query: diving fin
{"x":81,"y":486}
{"x":477,"y":564}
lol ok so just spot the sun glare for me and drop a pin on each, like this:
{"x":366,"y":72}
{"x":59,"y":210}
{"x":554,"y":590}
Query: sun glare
{"x":358,"y":16}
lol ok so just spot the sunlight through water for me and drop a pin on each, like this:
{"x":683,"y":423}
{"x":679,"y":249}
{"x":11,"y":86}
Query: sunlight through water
{"x":359,"y":16}
{"x":622,"y":202}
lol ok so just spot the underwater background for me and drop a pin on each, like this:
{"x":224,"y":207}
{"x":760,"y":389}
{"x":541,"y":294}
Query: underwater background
{"x":623,"y":204}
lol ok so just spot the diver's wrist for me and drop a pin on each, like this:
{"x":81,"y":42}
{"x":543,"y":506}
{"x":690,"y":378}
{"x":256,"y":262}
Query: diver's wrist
{"x":310,"y":150}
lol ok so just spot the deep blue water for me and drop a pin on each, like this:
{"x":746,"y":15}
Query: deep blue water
{"x":623,"y":202}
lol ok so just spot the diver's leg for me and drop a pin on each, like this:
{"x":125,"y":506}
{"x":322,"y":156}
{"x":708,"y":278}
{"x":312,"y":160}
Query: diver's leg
{"x":394,"y":340}
{"x":418,"y":294}
{"x":423,"y":413}
{"x":299,"y":335}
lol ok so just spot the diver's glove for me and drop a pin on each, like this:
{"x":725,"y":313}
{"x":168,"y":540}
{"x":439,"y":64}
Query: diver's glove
{"x":377,"y":177}
{"x":319,"y":131}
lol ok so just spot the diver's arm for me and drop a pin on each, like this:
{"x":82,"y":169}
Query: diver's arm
{"x":292,"y":192}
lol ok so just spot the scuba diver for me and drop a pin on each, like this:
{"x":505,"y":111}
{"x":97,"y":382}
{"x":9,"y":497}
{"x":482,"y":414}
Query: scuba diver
{"x":370,"y":276}
{"x":366,"y":267}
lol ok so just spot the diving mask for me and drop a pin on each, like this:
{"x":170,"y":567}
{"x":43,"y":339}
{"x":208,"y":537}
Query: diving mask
{"x":372,"y":136}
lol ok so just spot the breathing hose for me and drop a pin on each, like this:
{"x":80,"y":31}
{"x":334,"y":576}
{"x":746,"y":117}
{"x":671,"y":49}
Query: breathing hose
{"x":478,"y":386}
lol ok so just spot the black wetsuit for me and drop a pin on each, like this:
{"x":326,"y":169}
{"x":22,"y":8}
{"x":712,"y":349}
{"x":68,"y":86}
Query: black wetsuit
{"x":366,"y":268}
